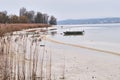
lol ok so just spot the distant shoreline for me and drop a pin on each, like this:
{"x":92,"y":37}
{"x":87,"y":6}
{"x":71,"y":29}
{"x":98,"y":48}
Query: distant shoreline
{"x":91,"y":25}
{"x":90,"y":21}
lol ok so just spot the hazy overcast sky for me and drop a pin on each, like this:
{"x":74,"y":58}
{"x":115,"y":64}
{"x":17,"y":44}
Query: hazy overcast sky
{"x":66,"y":9}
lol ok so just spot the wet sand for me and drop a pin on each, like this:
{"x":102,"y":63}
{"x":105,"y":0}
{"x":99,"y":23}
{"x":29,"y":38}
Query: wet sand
{"x":83,"y":64}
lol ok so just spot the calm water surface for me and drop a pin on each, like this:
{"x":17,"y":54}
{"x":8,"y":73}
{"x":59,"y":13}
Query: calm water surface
{"x":100,"y":33}
{"x":100,"y":36}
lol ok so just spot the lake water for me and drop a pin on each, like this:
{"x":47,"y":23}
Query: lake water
{"x":103,"y":36}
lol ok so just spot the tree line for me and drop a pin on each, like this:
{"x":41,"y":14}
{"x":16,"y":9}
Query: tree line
{"x":27,"y":17}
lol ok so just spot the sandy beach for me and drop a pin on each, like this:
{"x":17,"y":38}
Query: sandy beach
{"x":61,"y":60}
{"x":84,"y":64}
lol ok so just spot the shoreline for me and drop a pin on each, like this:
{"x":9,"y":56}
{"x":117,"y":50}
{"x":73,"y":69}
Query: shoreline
{"x":84,"y":47}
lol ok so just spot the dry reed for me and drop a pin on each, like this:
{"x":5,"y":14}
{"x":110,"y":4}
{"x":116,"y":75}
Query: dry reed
{"x":17,"y":64}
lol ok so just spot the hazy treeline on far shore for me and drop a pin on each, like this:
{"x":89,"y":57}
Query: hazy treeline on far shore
{"x":27,"y":17}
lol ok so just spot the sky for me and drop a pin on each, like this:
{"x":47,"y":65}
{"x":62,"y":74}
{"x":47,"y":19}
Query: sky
{"x":66,"y":9}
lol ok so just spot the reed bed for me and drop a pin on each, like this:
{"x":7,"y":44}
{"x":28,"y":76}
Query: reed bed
{"x":7,"y":28}
{"x":17,"y":63}
{"x":22,"y":57}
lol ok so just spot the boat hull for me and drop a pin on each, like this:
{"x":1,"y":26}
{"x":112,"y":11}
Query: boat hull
{"x":74,"y":33}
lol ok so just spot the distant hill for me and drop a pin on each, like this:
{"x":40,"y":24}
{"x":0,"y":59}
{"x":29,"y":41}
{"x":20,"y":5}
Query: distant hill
{"x":89,"y":21}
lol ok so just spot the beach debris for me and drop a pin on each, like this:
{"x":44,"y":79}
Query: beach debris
{"x":93,"y":77}
{"x":62,"y":77}
{"x":39,"y":39}
{"x":42,"y":45}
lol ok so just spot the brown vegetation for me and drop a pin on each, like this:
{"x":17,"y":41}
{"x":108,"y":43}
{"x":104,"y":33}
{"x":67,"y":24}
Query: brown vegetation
{"x":6,"y":28}
{"x":18,"y":64}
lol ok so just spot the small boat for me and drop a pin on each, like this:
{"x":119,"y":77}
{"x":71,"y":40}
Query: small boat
{"x":74,"y":32}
